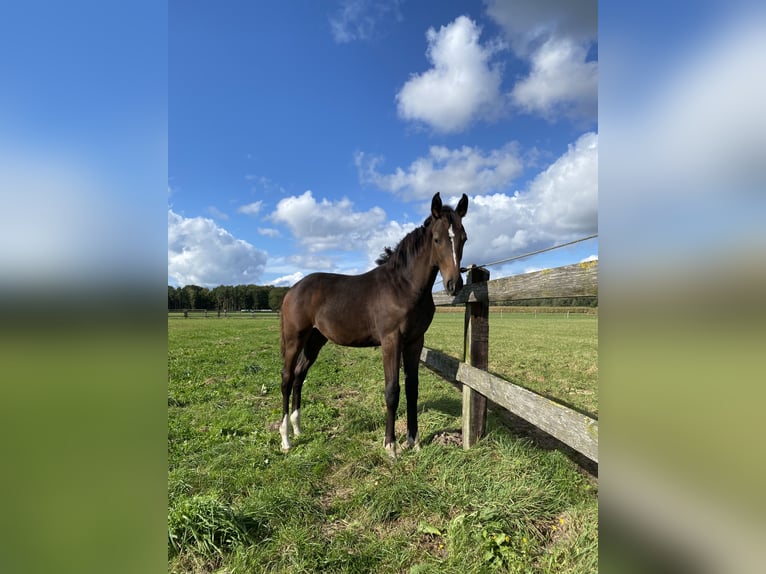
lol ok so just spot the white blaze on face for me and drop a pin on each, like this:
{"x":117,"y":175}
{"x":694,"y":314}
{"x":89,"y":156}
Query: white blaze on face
{"x":452,"y":240}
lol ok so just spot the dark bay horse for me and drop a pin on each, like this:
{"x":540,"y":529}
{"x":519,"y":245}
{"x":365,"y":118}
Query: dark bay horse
{"x":390,"y":306}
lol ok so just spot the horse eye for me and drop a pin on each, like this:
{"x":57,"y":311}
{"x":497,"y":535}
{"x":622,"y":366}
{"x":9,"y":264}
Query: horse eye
{"x":436,"y":240}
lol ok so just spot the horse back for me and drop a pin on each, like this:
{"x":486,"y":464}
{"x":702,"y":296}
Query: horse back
{"x":353,"y":310}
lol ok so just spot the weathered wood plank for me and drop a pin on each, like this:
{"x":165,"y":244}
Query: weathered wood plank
{"x":570,"y":427}
{"x":477,"y":293}
{"x":577,"y":280}
{"x":476,"y":354}
{"x":441,"y":363}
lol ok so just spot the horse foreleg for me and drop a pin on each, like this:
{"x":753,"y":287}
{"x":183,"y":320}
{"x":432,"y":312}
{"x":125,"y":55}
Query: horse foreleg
{"x":391,"y":362}
{"x":411,"y":359}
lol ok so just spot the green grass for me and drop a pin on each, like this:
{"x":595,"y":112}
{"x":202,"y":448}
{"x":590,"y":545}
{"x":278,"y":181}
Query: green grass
{"x":549,"y":353}
{"x":336,"y":502}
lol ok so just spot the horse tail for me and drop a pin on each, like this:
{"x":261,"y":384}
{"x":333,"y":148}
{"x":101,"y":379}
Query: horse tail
{"x":284,"y":308}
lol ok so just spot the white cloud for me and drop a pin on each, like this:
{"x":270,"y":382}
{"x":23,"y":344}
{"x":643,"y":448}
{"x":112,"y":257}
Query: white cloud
{"x":288,"y":280}
{"x":251,"y":208}
{"x":352,"y":253}
{"x":268,"y":232}
{"x":560,"y":204}
{"x":566,"y":193}
{"x":531,"y":269}
{"x":589,"y":258}
{"x":310,"y":261}
{"x":285,"y":268}
{"x":498,"y":226}
{"x":461,"y":87}
{"x":388,"y":235}
{"x":201,"y":253}
{"x":326,"y":225}
{"x":464,"y":84}
{"x":362,"y":19}
{"x":527,"y":23}
{"x":449,"y":171}
{"x":561,"y":81}
{"x":554,"y":38}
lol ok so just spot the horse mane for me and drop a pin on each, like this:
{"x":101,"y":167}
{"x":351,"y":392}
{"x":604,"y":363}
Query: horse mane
{"x":410,"y":245}
{"x":406,"y":249}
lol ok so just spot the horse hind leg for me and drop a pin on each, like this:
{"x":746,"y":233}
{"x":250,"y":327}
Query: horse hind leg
{"x":292,"y":345}
{"x":311,"y":349}
{"x":287,"y":387}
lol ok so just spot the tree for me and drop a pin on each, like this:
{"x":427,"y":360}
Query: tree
{"x":276,"y":295}
{"x":226,"y":297}
{"x":262,"y":297}
{"x":173,"y":298}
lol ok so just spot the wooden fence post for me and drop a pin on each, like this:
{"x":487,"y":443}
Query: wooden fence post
{"x":476,"y":354}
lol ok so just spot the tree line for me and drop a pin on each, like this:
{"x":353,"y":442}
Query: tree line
{"x":553,"y":302}
{"x":226,"y":297}
{"x":265,"y":297}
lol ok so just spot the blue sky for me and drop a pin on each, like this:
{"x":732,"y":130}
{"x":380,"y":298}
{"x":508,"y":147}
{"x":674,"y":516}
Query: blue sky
{"x":307,"y":136}
{"x":266,"y":105}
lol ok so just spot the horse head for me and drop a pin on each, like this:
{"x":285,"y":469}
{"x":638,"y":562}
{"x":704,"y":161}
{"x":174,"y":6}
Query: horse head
{"x":448,"y":238}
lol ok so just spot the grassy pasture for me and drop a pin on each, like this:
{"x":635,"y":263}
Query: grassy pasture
{"x":336,"y":503}
{"x":553,"y":354}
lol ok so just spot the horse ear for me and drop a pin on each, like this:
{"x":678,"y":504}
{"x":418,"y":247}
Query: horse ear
{"x":462,"y":206}
{"x":436,"y":206}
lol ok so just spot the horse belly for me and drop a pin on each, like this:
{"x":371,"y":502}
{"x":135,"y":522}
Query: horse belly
{"x":347,"y":329}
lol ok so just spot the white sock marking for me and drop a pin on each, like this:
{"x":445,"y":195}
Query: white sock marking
{"x":295,"y":418}
{"x":283,"y":432}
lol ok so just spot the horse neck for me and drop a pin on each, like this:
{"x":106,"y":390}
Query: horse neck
{"x":421,"y":272}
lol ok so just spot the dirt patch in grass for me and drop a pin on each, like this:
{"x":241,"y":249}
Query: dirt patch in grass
{"x":560,"y":529}
{"x":188,"y":563}
{"x":346,"y":395}
{"x":339,"y":493}
{"x":216,"y":380}
{"x":274,"y":426}
{"x":448,"y":438}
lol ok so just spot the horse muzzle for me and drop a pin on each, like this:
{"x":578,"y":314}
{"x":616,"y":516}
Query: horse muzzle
{"x":453,"y":286}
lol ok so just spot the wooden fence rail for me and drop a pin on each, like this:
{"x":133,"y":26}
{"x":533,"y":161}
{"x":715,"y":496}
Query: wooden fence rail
{"x":577,"y":280}
{"x":570,"y":427}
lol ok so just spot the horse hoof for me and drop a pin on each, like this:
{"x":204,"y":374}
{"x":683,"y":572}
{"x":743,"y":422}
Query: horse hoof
{"x":391,"y":449}
{"x":413,"y":443}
